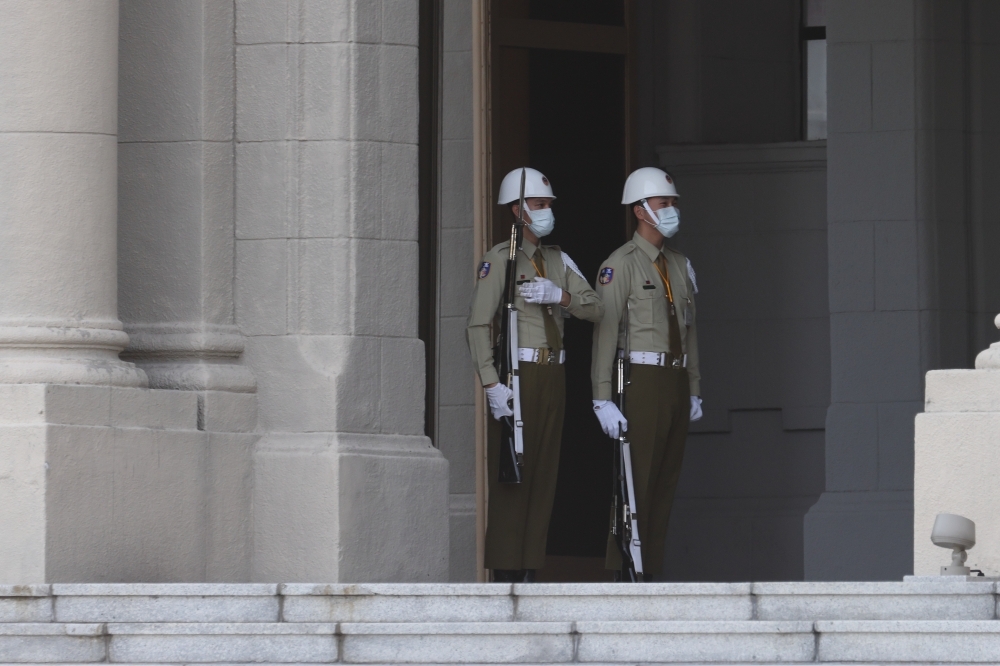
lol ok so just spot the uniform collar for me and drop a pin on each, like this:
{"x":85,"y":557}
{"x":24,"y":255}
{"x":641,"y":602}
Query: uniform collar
{"x":528,"y":248}
{"x":651,"y":250}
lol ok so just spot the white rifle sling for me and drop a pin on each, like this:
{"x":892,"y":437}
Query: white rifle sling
{"x":516,"y":385}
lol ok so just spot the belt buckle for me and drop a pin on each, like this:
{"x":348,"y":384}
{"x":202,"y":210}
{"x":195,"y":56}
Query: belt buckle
{"x":544,"y":356}
{"x":675,"y":363}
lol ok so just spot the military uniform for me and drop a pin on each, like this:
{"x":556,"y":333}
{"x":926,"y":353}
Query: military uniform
{"x":658,"y":397}
{"x":518,"y":516}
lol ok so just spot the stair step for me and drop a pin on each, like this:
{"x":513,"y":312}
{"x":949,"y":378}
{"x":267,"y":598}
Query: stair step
{"x":594,"y":642}
{"x":925,"y":600}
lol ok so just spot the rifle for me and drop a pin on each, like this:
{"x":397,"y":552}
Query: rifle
{"x":624,"y":521}
{"x":506,"y":361}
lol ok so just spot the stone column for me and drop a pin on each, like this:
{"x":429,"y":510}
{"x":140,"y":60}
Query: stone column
{"x":346,"y":485}
{"x":176,"y":238}
{"x":100,"y":479}
{"x":898,"y":239}
{"x":58,"y":125}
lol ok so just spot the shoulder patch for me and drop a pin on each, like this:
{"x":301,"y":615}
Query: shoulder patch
{"x":570,"y":264}
{"x":694,"y":280}
{"x":484,"y":269}
{"x":606,"y":275}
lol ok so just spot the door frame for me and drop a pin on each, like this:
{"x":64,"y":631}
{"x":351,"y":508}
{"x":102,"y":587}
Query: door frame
{"x":528,"y":33}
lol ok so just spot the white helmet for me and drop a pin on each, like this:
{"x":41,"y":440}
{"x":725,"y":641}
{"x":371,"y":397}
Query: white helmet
{"x":535,"y":185}
{"x":648,"y":182}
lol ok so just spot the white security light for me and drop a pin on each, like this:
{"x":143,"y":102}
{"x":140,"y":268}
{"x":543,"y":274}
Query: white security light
{"x":957,"y":533}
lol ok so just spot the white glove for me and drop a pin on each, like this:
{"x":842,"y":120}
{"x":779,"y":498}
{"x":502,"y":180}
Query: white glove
{"x":542,"y":290}
{"x":498,"y":396}
{"x":609,"y":416}
{"x":695,"y":408}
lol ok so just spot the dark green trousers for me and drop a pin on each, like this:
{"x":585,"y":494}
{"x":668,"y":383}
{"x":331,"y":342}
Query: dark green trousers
{"x":658,"y":409}
{"x":518,"y":516}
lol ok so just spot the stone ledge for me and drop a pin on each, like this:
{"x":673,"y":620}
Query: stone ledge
{"x":164,"y":589}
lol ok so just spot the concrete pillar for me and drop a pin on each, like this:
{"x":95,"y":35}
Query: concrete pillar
{"x":456,"y":416}
{"x":100,"y":480}
{"x":898,"y":260}
{"x":956,"y":463}
{"x":58,"y":124}
{"x":176,"y":233}
{"x":346,"y":486}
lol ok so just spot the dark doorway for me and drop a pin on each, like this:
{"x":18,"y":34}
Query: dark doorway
{"x":563,"y":110}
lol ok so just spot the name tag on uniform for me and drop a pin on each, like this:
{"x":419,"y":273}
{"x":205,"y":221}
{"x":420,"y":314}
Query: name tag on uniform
{"x":649,"y":286}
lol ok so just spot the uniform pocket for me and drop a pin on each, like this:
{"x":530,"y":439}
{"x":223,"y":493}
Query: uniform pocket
{"x":649,"y":306}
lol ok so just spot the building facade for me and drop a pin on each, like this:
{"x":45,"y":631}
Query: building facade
{"x":238,"y":241}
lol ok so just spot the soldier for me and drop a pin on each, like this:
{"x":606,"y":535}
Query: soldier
{"x":550,"y":287}
{"x":656,"y":285}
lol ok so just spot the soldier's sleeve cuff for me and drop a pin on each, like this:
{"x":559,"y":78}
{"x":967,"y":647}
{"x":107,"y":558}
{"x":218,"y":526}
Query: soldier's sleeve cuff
{"x":695,"y":387}
{"x":488,"y":376}
{"x":602,"y":392}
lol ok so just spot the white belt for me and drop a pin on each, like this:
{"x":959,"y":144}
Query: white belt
{"x":531,"y":355}
{"x":656,"y":358}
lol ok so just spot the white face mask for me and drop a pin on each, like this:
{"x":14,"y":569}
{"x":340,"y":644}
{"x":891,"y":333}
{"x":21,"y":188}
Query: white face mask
{"x":543,"y":221}
{"x":668,"y":220}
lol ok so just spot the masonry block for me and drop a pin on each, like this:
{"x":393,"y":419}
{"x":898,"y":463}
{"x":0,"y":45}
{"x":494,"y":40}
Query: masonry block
{"x":862,"y":21}
{"x":234,"y":643}
{"x":955,"y":600}
{"x":88,"y":602}
{"x":462,"y":559}
{"x":456,"y":184}
{"x":260,"y":290}
{"x":175,"y":71}
{"x":262,"y":21}
{"x":456,"y":373}
{"x":893,"y":86}
{"x":402,"y":372}
{"x":876,"y":356}
{"x":41,"y":643}
{"x":465,"y":642}
{"x":456,"y":93}
{"x":872,"y":176}
{"x":262,"y":92}
{"x":399,"y":191}
{"x":457,"y":17}
{"x":329,"y":279}
{"x":327,"y":87}
{"x":897,"y":266}
{"x":842,"y":524}
{"x":457,"y":271}
{"x":25,"y":603}
{"x":325,"y":21}
{"x":456,"y":437}
{"x":396,"y":603}
{"x":262,"y":173}
{"x":400,"y":22}
{"x":346,"y":507}
{"x":695,"y":641}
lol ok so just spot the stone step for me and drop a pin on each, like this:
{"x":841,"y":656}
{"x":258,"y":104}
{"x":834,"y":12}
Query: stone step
{"x":228,"y":603}
{"x":592,"y":642}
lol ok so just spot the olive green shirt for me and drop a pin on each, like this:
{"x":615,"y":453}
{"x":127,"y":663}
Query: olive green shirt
{"x":487,"y":297}
{"x":629,"y":276}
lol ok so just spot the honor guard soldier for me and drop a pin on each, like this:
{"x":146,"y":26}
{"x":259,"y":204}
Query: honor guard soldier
{"x":649,"y":287}
{"x":549,"y":287}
